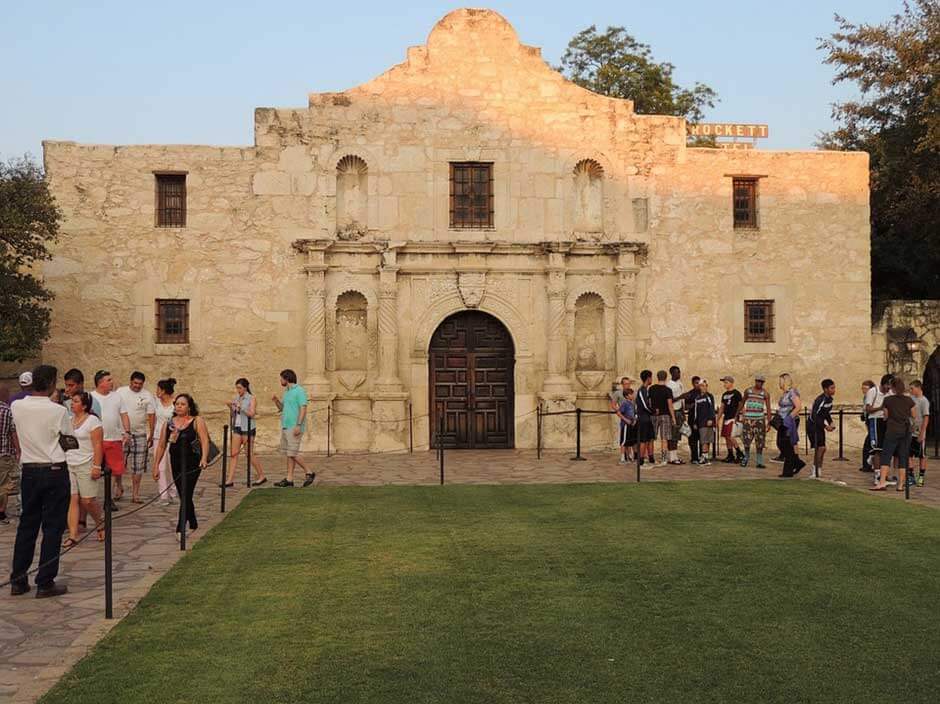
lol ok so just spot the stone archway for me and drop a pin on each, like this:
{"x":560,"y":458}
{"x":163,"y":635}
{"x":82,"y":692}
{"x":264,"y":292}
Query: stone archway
{"x":471,"y":359}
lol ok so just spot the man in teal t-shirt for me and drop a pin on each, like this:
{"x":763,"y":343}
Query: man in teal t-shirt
{"x":293,"y":408}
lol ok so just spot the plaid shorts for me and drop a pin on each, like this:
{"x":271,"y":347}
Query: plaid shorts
{"x":136,"y":454}
{"x":664,"y":427}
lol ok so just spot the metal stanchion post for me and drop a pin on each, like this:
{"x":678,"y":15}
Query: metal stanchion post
{"x":907,"y":485}
{"x":108,"y":570}
{"x":538,"y":430}
{"x":329,"y":426}
{"x":805,"y":431}
{"x":577,"y":432}
{"x":440,"y":442}
{"x":184,"y":503}
{"x":411,"y":428}
{"x":639,"y":463}
{"x":224,"y":467}
{"x":841,"y":457}
{"x":248,"y":444}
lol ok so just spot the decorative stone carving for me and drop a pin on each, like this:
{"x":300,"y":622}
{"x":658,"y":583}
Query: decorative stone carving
{"x":472,"y":287}
{"x":351,"y":380}
{"x":640,"y":214}
{"x":351,"y":197}
{"x":588,"y":198}
{"x":590,"y":379}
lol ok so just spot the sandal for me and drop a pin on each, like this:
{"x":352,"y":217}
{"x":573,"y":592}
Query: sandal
{"x":877,"y":488}
{"x":101,"y":535}
{"x":69,"y":543}
{"x":136,"y":501}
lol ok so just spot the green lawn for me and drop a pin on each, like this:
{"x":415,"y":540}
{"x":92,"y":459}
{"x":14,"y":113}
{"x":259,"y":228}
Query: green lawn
{"x":752,"y":591}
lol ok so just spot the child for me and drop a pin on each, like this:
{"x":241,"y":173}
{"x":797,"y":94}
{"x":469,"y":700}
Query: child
{"x":627,"y":414}
{"x":919,"y":439}
{"x":705,"y":417}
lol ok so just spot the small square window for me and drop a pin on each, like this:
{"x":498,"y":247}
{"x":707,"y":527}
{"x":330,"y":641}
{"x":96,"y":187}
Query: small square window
{"x":471,"y":195}
{"x":758,"y":321}
{"x":172,"y":321}
{"x":171,"y":200}
{"x":745,"y":203}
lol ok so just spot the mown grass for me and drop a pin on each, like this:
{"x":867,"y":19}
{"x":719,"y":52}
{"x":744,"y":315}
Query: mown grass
{"x":663,"y":592}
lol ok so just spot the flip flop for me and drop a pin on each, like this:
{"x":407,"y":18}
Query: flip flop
{"x":100,"y":535}
{"x":877,"y":488}
{"x":136,"y":501}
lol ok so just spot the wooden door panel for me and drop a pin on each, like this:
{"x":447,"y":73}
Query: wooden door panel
{"x":471,"y":370}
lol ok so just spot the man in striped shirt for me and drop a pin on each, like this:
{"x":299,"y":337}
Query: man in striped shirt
{"x":820,"y":422}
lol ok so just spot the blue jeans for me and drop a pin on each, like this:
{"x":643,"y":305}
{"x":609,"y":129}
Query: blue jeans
{"x":45,"y":495}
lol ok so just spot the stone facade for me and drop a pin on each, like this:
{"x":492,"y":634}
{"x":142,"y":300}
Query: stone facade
{"x":327,"y":247}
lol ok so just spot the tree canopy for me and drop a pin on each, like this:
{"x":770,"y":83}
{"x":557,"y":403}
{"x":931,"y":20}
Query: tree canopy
{"x":896,"y":119}
{"x":614,"y":63}
{"x":29,"y":223}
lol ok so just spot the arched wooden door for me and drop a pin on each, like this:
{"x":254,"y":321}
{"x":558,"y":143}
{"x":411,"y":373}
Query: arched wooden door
{"x":471,"y":361}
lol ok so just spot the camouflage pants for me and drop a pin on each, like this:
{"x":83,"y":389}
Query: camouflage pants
{"x":754,"y":430}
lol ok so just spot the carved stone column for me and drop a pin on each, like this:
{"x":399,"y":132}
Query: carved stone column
{"x":388,"y":329}
{"x":626,"y":303}
{"x":315,"y":338}
{"x":557,"y":380}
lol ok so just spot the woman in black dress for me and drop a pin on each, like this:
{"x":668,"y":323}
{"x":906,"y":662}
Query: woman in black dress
{"x":185,"y":431}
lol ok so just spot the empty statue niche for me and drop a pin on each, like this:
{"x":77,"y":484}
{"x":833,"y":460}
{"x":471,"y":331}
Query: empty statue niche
{"x":588,"y":196}
{"x":352,"y":197}
{"x":352,"y":332}
{"x":590,"y":345}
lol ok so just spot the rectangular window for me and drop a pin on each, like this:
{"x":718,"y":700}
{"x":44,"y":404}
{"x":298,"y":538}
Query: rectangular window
{"x":171,"y":200}
{"x":745,"y":203}
{"x":758,"y":321}
{"x":471,"y":195}
{"x":172,"y":321}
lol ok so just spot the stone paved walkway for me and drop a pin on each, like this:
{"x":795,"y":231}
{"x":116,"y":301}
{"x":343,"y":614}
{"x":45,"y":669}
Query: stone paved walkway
{"x":41,"y":639}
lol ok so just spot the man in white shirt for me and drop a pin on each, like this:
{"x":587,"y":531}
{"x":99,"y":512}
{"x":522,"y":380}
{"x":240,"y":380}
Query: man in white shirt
{"x":116,"y":426}
{"x":44,"y":488}
{"x":678,"y":389}
{"x":141,"y":414}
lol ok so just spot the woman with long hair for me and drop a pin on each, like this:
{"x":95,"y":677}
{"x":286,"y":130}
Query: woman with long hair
{"x":84,"y":466}
{"x":788,"y":409}
{"x":186,"y":440}
{"x":164,"y":412}
{"x":244,"y":409}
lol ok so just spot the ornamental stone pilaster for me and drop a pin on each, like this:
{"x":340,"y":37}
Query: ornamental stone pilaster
{"x":556,"y":381}
{"x":626,"y":310}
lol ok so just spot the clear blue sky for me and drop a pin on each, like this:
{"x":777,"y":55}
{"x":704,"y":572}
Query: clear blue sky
{"x":192,"y":72}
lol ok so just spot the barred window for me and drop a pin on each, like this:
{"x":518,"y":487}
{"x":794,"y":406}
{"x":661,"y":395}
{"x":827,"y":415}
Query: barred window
{"x":471,"y":195}
{"x":171,"y":200}
{"x":758,"y":321}
{"x":172,"y":321}
{"x":745,"y":203}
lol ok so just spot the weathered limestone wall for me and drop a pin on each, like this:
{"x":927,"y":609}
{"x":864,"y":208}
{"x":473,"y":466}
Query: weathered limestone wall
{"x":810,"y":254}
{"x":327,"y":247}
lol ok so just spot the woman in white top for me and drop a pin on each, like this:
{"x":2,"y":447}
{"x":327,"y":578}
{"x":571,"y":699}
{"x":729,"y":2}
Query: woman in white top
{"x":164,"y":411}
{"x":84,"y":466}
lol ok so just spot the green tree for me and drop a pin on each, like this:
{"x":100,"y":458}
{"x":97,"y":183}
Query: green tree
{"x":896,"y":119}
{"x":616,"y":64}
{"x":29,"y":223}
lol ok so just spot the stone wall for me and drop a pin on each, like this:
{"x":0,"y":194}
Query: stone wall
{"x":327,"y":246}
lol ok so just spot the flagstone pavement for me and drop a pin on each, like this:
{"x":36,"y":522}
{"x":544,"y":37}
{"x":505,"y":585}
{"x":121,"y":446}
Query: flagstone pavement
{"x":41,"y":639}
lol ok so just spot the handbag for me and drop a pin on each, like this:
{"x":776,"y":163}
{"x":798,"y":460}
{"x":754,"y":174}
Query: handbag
{"x":214,"y":452}
{"x":685,"y":430}
{"x":737,"y":430}
{"x":68,"y":442}
{"x":776,"y":422}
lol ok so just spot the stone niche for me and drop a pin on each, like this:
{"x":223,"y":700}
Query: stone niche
{"x":588,"y":206}
{"x":352,"y":332}
{"x":352,"y":197}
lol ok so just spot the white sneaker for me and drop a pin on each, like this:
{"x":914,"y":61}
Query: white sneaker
{"x":623,"y":460}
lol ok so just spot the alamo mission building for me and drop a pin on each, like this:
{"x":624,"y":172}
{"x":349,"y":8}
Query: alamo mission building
{"x":468,"y":235}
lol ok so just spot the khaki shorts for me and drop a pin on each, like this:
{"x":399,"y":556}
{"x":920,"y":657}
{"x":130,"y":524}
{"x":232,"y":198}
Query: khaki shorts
{"x":82,"y":483}
{"x":290,"y":443}
{"x":9,"y":473}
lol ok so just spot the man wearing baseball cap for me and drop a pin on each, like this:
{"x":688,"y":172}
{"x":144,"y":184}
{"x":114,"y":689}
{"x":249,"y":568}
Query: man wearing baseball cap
{"x":26,"y":387}
{"x":727,"y":415}
{"x":754,"y":414}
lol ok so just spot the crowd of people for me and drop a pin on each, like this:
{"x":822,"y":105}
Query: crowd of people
{"x":60,"y":443}
{"x":56,"y":445}
{"x":665,"y":411}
